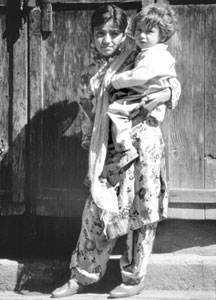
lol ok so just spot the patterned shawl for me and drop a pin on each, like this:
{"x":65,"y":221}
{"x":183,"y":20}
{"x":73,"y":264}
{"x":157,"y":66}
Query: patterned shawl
{"x":103,"y":194}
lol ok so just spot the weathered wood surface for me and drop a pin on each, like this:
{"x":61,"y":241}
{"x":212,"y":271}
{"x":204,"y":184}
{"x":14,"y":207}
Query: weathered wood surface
{"x":193,"y":196}
{"x":35,"y":101}
{"x":187,"y":211}
{"x":13,"y":113}
{"x":5,"y":161}
{"x":19,"y":117}
{"x":210,"y":211}
{"x":210,"y":98}
{"x":190,"y":130}
{"x":184,"y":128}
{"x":46,"y":102}
{"x":210,"y":107}
{"x":57,"y":159}
{"x":4,"y":116}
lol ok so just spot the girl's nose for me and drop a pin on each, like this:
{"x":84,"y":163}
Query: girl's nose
{"x":107,"y":38}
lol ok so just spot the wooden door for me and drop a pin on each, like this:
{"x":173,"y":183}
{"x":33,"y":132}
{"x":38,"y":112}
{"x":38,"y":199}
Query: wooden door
{"x":13,"y":108}
{"x":190,"y":130}
{"x":58,"y":164}
{"x":43,"y":52}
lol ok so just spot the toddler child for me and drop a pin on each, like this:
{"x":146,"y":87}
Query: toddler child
{"x":153,"y":71}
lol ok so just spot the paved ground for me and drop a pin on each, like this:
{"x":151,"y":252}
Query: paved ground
{"x":182,"y":267}
{"x":145,"y":295}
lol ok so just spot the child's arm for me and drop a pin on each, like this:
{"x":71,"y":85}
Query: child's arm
{"x":161,"y":64}
{"x":131,"y":78}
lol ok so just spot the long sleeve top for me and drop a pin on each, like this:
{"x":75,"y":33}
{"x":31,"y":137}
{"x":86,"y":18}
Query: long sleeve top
{"x":154,"y":70}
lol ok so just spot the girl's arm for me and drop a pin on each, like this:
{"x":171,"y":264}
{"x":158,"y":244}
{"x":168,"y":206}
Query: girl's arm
{"x":169,"y":96}
{"x":146,"y":106}
{"x":163,"y":98}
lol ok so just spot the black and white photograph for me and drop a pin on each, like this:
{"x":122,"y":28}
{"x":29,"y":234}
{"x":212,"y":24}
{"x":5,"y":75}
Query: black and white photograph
{"x":108,"y":149}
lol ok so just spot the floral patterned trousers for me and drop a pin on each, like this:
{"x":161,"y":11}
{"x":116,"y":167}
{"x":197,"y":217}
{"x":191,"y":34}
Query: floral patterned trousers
{"x":143,"y":201}
{"x":90,"y":257}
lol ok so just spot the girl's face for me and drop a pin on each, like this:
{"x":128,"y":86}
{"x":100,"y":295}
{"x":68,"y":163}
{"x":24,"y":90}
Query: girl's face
{"x":146,"y":38}
{"x":107,"y":38}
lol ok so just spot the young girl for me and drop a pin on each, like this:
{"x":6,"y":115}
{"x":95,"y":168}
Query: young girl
{"x":141,"y":198}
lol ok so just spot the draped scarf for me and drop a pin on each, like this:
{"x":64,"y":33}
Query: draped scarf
{"x":103,"y":194}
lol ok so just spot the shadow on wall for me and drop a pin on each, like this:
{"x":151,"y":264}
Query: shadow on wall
{"x":55,"y":146}
{"x":46,"y":153}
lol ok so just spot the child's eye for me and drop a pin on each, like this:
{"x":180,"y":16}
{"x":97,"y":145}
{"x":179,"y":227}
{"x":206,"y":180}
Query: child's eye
{"x":138,"y":29}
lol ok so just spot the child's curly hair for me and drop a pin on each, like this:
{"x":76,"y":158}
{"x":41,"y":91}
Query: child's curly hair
{"x":162,"y":16}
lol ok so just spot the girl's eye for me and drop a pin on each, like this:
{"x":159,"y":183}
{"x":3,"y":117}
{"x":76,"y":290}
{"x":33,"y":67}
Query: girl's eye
{"x":114,"y":33}
{"x":99,"y":34}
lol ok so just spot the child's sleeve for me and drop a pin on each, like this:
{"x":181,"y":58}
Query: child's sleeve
{"x":175,"y":87}
{"x":137,"y":76}
{"x":154,"y":65}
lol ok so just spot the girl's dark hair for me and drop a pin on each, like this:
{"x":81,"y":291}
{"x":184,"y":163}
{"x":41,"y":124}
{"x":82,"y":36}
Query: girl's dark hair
{"x":109,"y":12}
{"x":162,"y":16}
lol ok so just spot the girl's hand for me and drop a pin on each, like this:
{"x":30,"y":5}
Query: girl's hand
{"x":86,"y":104}
{"x":110,"y":88}
{"x":163,"y":97}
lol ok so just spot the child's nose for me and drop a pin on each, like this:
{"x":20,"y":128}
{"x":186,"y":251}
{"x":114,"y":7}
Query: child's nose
{"x":143,"y":34}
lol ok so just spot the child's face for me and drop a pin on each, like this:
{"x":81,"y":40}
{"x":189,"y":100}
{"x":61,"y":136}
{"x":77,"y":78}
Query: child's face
{"x":146,"y":38}
{"x":107,"y":38}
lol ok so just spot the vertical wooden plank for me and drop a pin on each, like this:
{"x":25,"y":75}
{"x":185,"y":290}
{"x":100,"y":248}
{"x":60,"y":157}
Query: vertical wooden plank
{"x":210,"y":107}
{"x":5,"y":172}
{"x":19,"y":115}
{"x":184,"y":128}
{"x":66,"y":52}
{"x":14,"y":110}
{"x":46,"y":16}
{"x":210,"y":98}
{"x":36,"y":101}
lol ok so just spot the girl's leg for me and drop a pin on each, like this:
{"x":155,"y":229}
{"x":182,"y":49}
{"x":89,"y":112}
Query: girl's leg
{"x":90,"y":257}
{"x":135,"y":260}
